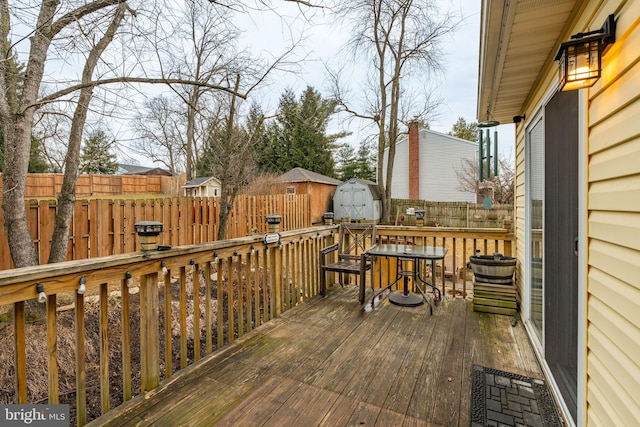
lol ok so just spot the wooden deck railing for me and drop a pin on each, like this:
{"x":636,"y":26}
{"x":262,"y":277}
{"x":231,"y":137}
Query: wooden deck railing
{"x":190,"y":301}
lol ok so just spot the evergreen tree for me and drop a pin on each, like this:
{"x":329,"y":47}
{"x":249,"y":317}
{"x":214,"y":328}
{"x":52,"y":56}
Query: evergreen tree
{"x":298,"y":137}
{"x":360,"y":164}
{"x":96,"y":154}
{"x":463,"y":130}
{"x":345,"y":157}
{"x":37,"y":162}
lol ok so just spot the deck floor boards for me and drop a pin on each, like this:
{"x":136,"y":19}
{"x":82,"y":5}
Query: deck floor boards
{"x":329,"y":363}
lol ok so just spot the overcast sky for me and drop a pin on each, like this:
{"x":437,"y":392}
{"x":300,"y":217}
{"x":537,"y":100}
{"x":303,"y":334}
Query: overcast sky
{"x":458,"y":85}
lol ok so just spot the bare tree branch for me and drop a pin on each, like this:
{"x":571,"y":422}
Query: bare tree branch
{"x":167,"y":81}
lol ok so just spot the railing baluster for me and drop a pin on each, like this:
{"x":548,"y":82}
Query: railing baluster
{"x":126,"y":341}
{"x":168,"y":318}
{"x":464,"y":267}
{"x":52,"y":349}
{"x":196,"y":311}
{"x":256,"y":291}
{"x":248,"y":293}
{"x":220,"y":305}
{"x":454,"y":276}
{"x":20,"y":354}
{"x":149,"y":324}
{"x":81,"y":383}
{"x":240,"y":287}
{"x":230,"y":300}
{"x":104,"y":348}
{"x":207,"y":314}
{"x":279,"y":280}
{"x":286,"y":289}
{"x":183,"y":317}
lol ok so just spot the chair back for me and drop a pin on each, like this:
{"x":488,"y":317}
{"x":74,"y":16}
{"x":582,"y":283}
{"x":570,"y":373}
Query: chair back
{"x":355,"y":238}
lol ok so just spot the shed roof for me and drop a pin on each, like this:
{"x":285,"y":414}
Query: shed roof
{"x":304,"y":175}
{"x":373,"y":187}
{"x":200,"y":181}
{"x":124,"y":169}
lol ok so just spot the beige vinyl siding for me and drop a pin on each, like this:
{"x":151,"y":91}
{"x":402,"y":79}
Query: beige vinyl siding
{"x":613,"y":215}
{"x":613,"y":281}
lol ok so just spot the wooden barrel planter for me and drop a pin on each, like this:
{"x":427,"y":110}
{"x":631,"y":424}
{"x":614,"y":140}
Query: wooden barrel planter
{"x":493,"y":288}
{"x":496,"y":268}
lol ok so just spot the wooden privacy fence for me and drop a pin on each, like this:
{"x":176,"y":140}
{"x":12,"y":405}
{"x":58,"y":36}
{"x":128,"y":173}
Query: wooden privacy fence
{"x":455,"y":214}
{"x":113,"y":327}
{"x":50,"y":184}
{"x":102,"y":227}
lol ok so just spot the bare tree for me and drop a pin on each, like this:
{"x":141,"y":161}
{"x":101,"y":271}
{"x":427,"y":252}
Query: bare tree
{"x":401,"y":39}
{"x":202,"y":50}
{"x":66,"y":31}
{"x":67,"y":195}
{"x":499,"y":187}
{"x":53,"y":131}
{"x":160,"y":130}
{"x":230,"y":155}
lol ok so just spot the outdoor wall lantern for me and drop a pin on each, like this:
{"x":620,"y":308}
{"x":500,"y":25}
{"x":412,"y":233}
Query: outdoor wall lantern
{"x":581,"y":57}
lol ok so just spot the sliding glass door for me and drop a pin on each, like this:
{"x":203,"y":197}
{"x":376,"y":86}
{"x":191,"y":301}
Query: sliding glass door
{"x":535,"y":204}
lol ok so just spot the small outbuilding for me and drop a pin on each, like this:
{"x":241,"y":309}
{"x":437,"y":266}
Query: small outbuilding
{"x":357,"y":200}
{"x":205,"y":186}
{"x":319,"y":187}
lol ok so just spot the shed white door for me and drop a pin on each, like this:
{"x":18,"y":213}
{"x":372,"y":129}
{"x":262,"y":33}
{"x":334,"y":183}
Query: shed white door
{"x":353,"y":200}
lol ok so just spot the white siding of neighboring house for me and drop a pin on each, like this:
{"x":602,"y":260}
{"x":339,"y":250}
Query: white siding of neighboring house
{"x":440,"y":157}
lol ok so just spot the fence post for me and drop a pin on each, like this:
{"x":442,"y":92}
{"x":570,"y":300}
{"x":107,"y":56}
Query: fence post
{"x":149,"y":324}
{"x":275,"y":259}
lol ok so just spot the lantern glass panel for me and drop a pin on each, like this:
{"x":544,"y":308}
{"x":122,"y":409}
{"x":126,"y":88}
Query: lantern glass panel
{"x":580,"y":65}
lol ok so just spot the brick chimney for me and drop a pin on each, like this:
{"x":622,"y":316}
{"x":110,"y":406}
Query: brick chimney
{"x":414,"y":160}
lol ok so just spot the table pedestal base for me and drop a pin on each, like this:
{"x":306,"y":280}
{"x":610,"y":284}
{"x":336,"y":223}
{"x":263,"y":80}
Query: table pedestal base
{"x":409,"y":300}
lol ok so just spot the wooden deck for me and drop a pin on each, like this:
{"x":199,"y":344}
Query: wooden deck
{"x":329,"y":363}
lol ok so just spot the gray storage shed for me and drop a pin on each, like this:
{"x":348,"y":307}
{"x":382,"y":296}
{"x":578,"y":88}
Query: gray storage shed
{"x":357,"y":199}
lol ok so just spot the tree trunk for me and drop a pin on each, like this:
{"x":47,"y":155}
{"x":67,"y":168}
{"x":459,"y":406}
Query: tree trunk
{"x":17,"y":123}
{"x":16,"y":165}
{"x":223,"y":215}
{"x":67,"y":196}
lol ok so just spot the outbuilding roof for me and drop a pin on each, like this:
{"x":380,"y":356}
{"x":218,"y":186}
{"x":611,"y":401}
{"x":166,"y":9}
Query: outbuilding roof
{"x":141,"y":170}
{"x":304,"y":175}
{"x":200,"y":181}
{"x":373,"y":187}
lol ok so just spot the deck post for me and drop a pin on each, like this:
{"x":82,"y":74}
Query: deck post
{"x":275,"y":267}
{"x":149,"y":324}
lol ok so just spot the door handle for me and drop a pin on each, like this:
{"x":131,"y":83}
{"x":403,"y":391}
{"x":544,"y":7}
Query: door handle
{"x":575,"y":246}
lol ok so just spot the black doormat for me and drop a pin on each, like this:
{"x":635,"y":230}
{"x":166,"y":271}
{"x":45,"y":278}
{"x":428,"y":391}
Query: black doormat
{"x":504,"y":398}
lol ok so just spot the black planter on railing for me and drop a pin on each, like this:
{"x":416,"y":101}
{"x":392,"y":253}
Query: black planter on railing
{"x":496,"y":268}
